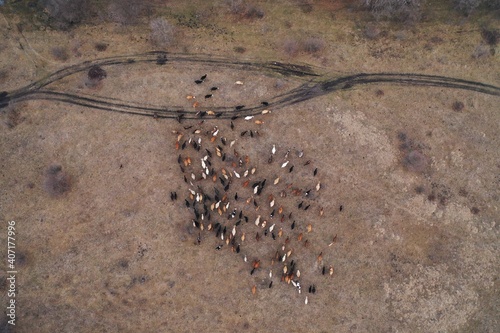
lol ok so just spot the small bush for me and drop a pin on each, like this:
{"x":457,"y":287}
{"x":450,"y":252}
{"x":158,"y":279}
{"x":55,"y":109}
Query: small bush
{"x":95,"y":75}
{"x":399,"y":10}
{"x":65,"y":13}
{"x":162,"y":32}
{"x":481,"y":51}
{"x":239,"y":49}
{"x":291,"y":47}
{"x":415,"y":161}
{"x":126,"y":12}
{"x":101,"y":46}
{"x":59,"y":53}
{"x":490,"y":36}
{"x":305,"y":6}
{"x":11,"y":116}
{"x":313,"y":45}
{"x":371,"y":31}
{"x":253,"y":12}
{"x":56,"y":181}
{"x":457,"y":106}
{"x":244,"y":10}
{"x":467,"y":7}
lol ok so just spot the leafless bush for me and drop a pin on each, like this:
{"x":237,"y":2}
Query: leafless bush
{"x":253,"y":12}
{"x":56,"y":181}
{"x":59,"y":53}
{"x":400,"y":10}
{"x":313,"y":45}
{"x":371,"y":31}
{"x":101,"y":46}
{"x":467,"y":7}
{"x":162,"y":32}
{"x":126,"y":12}
{"x":291,"y":47}
{"x":239,"y":49}
{"x":66,"y":13}
{"x":244,"y":10}
{"x":11,"y":116}
{"x":305,"y":6}
{"x":457,"y":106}
{"x":490,"y":36}
{"x":481,"y":51}
{"x":309,"y":45}
{"x":95,"y":75}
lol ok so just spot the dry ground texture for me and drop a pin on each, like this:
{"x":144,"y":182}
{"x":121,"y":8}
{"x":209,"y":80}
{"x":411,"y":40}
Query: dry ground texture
{"x":102,"y":248}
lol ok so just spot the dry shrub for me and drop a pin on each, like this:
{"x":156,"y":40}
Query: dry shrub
{"x":291,"y":47}
{"x":399,"y":10}
{"x":59,"y":53}
{"x":239,"y":49}
{"x":415,"y":161}
{"x":64,"y":14}
{"x":101,"y":47}
{"x":481,"y":51}
{"x":467,"y":7}
{"x":490,"y":36}
{"x":457,"y":106}
{"x":11,"y":116}
{"x":126,"y":12}
{"x":162,"y":32}
{"x":244,"y":10}
{"x":309,"y":45}
{"x":95,"y":75}
{"x":56,"y":181}
{"x":371,"y":31}
{"x":313,"y":45}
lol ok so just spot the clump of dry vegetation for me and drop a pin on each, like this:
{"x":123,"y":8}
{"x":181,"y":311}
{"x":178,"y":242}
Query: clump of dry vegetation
{"x":490,"y":36}
{"x":400,"y":10}
{"x":127,"y":12}
{"x":310,"y":45}
{"x":95,"y":75}
{"x":244,"y":10}
{"x":59,"y":53}
{"x":64,"y":14}
{"x":11,"y":116}
{"x":239,"y":49}
{"x":457,"y":106}
{"x":101,"y":47}
{"x":467,"y":7}
{"x":56,"y":181}
{"x":162,"y":32}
